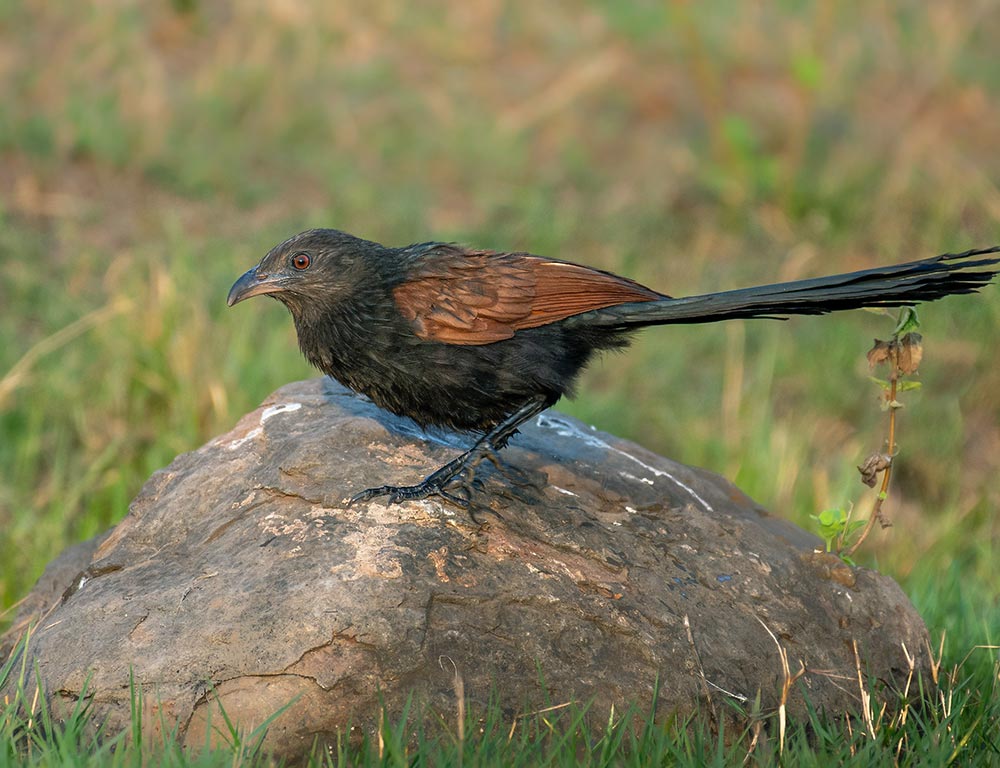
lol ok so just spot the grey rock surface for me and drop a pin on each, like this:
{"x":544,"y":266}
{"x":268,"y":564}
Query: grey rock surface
{"x":239,"y":576}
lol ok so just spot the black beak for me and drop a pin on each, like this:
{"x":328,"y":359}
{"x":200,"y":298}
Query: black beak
{"x":252,"y":283}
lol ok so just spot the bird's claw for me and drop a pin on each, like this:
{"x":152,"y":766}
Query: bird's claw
{"x":400,"y":493}
{"x":459,"y":473}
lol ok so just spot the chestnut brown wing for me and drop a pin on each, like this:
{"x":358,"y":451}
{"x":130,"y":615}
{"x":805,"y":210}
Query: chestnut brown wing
{"x":479,"y":297}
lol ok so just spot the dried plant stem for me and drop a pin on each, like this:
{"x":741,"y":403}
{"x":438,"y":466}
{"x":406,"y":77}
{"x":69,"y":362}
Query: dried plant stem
{"x":788,"y":680}
{"x":883,"y":490}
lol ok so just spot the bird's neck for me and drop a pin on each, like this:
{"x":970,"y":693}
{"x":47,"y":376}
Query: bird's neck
{"x":334,"y":336}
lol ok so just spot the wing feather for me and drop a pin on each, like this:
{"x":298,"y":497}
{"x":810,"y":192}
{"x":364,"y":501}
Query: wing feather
{"x":465,"y":297}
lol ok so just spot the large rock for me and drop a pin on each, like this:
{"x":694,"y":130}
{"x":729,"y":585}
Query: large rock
{"x":596,"y":566}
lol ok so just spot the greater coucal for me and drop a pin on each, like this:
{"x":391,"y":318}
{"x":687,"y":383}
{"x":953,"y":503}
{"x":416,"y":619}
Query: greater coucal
{"x":480,"y":341}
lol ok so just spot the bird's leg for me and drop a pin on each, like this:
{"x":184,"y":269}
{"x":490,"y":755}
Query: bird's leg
{"x":485,"y":448}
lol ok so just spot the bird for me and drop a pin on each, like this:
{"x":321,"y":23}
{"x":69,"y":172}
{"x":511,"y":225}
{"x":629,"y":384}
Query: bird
{"x":481,"y":341}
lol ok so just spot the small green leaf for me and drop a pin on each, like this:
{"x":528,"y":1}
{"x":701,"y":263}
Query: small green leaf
{"x":908,"y":321}
{"x":833,"y":525}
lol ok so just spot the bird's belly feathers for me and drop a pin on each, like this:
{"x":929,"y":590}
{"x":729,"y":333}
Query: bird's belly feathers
{"x":468,"y":388}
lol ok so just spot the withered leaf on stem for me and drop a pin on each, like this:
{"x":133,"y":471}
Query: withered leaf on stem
{"x":874,"y":464}
{"x":879,"y":353}
{"x":909,"y":353}
{"x":905,"y":353}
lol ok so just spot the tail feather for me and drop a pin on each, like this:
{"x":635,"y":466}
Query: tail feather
{"x":889,"y":286}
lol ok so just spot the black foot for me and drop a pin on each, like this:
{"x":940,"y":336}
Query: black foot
{"x":398,"y":493}
{"x":458,"y":473}
{"x":461,"y":471}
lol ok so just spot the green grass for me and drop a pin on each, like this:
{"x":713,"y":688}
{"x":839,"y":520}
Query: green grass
{"x":150,"y":154}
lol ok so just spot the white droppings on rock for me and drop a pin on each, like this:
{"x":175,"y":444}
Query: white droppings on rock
{"x":630,"y":476}
{"x":565,"y":429}
{"x":274,"y":410}
{"x":256,"y":432}
{"x":248,"y":436}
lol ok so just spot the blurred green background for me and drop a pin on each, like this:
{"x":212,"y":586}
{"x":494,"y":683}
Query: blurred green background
{"x":151,"y":152}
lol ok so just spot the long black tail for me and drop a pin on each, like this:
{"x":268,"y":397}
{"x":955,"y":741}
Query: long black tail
{"x":891,"y":286}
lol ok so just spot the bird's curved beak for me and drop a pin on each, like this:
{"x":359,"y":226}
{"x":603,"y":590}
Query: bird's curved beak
{"x":252,"y":283}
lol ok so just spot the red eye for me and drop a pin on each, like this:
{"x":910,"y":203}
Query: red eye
{"x":301,"y":261}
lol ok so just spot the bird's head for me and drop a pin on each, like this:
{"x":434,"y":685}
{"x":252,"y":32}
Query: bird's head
{"x":317,"y":266}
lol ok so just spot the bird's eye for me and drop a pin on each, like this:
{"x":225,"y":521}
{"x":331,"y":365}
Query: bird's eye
{"x":301,"y":261}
